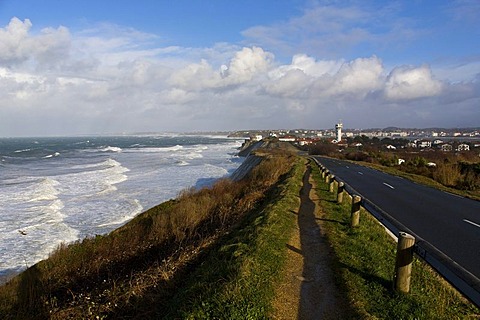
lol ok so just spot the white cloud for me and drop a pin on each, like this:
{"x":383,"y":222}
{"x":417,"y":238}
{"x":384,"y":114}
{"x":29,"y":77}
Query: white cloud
{"x":307,"y":78}
{"x":58,"y":82}
{"x":293,"y":83}
{"x":358,"y":77}
{"x":308,"y":65}
{"x":411,"y":83}
{"x":242,"y":68}
{"x":47,"y":49}
{"x":12,"y":48}
{"x":247,"y":63}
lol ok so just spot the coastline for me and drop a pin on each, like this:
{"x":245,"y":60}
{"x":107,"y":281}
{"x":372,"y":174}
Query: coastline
{"x":108,"y":162}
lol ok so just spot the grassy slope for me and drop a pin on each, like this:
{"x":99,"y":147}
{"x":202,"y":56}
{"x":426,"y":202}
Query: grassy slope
{"x":365,"y":263}
{"x":238,"y":276}
{"x":136,"y":270}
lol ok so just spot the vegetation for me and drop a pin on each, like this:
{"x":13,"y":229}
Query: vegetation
{"x":216,"y":253}
{"x":365,"y":260}
{"x":238,"y":279}
{"x":456,"y":170}
{"x":134,"y":271}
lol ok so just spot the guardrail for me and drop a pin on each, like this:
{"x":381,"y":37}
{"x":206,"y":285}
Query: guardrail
{"x":465,"y":282}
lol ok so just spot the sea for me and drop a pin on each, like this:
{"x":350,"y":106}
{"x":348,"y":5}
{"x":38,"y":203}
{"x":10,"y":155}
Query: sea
{"x":63,"y":189}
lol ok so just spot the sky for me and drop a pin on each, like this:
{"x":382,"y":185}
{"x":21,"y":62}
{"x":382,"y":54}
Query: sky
{"x":119,"y":66}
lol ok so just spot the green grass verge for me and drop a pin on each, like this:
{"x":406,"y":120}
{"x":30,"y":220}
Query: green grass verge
{"x":365,"y":260}
{"x":237,"y":279}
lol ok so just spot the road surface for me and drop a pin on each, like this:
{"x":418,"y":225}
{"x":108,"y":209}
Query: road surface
{"x":448,"y":222}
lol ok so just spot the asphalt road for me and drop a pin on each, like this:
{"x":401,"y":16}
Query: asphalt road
{"x":448,"y":222}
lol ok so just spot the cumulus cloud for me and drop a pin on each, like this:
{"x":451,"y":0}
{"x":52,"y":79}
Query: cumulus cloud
{"x":47,"y":48}
{"x":242,"y":68}
{"x":247,"y":63}
{"x":292,"y":83}
{"x":308,"y":65}
{"x":306,"y":77}
{"x":12,"y":48}
{"x":411,"y":83}
{"x":58,"y":82}
{"x":359,"y":76}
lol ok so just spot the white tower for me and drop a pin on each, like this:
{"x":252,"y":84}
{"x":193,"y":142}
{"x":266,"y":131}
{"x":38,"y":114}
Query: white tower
{"x":338,"y":128}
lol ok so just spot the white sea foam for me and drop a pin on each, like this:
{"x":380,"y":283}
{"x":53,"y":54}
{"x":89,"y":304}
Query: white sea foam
{"x":135,"y":210}
{"x":104,"y":163}
{"x":44,"y":190}
{"x":22,"y":150}
{"x":92,"y":190}
{"x":111,"y":149}
{"x":56,"y":154}
{"x":156,"y":149}
{"x":96,"y":178}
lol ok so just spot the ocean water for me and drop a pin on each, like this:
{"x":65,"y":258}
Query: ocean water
{"x":55,"y":190}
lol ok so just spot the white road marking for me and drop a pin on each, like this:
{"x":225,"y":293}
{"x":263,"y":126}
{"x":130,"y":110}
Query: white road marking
{"x":388,"y":185}
{"x":347,"y":167}
{"x":360,"y":172}
{"x":472,"y":223}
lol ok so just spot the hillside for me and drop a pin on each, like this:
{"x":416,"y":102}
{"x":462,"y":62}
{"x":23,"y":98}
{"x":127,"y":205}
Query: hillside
{"x":135,"y":271}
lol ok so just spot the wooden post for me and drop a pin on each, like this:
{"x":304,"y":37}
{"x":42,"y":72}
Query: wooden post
{"x":355,"y":216}
{"x":403,"y":263}
{"x":332,"y":183}
{"x":340,"y":188}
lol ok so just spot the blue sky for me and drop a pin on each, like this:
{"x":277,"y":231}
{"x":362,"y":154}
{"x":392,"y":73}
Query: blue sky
{"x":79,"y":67}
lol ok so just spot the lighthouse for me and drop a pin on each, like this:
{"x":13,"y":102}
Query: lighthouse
{"x":338,"y":129}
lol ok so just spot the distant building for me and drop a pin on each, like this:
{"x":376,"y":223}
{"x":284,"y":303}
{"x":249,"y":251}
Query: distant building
{"x":424,"y":144}
{"x":257,"y":137}
{"x":463,"y":147}
{"x":305,"y":141}
{"x":446,"y":147}
{"x":287,"y":139}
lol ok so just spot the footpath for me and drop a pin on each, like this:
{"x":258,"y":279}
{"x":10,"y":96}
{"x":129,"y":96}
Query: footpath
{"x":307,"y":289}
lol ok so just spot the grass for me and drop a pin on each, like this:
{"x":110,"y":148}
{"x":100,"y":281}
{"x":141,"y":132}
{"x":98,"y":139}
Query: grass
{"x":365,"y":260}
{"x":239,"y":275}
{"x":134,"y":271}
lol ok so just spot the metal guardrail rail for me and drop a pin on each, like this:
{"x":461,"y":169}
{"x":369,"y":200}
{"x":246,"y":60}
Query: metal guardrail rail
{"x":465,"y":282}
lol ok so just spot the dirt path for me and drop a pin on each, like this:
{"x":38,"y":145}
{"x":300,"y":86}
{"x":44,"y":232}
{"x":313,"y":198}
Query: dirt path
{"x":308,"y":290}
